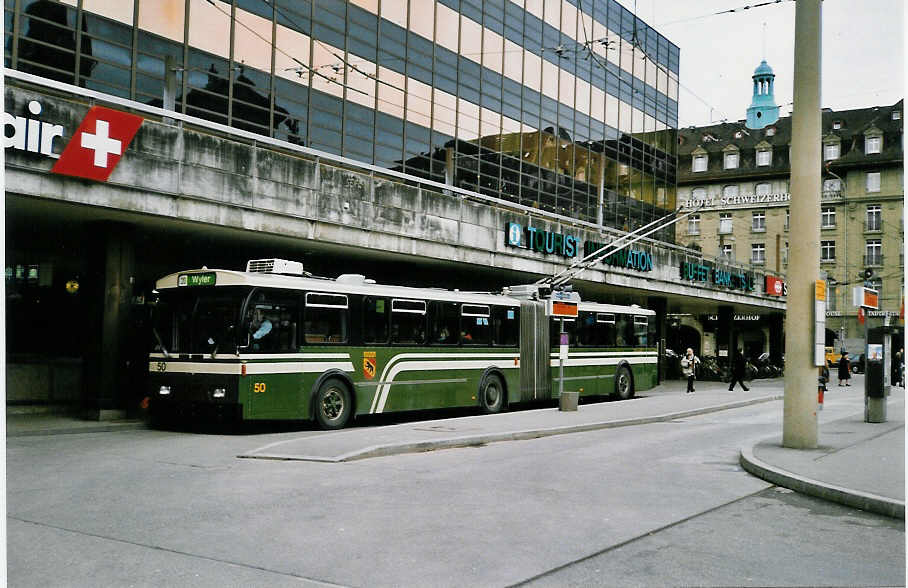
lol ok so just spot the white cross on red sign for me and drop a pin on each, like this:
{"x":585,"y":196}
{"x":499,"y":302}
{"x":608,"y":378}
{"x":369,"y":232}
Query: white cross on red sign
{"x":98,"y":144}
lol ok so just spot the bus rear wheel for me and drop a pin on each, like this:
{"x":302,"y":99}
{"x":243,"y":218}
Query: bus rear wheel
{"x":333,"y":404}
{"x":491,"y":394}
{"x":624,"y":384}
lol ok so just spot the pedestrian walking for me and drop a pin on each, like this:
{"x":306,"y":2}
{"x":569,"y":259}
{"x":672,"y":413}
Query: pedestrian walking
{"x":738,"y":369}
{"x":844,"y":369}
{"x":689,"y":365}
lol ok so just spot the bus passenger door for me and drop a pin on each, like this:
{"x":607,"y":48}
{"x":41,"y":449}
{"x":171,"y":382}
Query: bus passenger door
{"x":535,"y":370}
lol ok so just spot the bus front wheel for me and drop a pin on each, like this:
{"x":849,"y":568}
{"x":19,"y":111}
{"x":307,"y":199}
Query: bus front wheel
{"x":333,"y":405}
{"x":491,"y":394}
{"x":624,"y":384}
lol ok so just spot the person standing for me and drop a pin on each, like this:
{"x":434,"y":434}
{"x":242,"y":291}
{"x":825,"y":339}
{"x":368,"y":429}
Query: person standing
{"x":689,"y":365}
{"x":844,"y":369}
{"x":738,"y":369}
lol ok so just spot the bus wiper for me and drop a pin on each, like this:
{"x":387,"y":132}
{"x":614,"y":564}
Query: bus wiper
{"x":160,"y":342}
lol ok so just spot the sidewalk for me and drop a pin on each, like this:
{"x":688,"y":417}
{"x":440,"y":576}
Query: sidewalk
{"x":856,"y":463}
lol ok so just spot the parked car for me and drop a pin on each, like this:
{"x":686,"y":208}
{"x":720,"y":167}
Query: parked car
{"x":832,"y":356}
{"x":857,"y":367}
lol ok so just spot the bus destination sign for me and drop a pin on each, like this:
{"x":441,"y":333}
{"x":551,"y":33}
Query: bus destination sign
{"x":206,"y":279}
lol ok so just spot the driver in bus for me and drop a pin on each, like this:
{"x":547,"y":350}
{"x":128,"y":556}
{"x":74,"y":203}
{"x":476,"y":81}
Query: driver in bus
{"x":260,"y":325}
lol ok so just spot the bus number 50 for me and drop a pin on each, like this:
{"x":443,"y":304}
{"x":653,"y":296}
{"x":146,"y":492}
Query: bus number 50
{"x":258,"y":387}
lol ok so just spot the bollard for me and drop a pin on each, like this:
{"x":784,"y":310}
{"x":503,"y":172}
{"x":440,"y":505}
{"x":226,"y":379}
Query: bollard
{"x":568,"y":401}
{"x":821,"y":387}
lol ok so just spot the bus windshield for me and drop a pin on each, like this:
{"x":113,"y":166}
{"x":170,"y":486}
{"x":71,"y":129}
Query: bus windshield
{"x":197,"y":320}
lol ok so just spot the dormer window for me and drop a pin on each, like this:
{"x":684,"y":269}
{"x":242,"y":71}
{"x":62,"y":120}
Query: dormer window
{"x":872,"y":145}
{"x":699,"y":160}
{"x":836,"y":125}
{"x":730,"y":157}
{"x":764,"y":154}
{"x":770,"y":131}
{"x":831,"y":150}
{"x":873,"y":141}
{"x":896,"y":115}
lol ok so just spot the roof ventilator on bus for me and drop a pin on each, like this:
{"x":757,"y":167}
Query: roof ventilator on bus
{"x":275,"y":266}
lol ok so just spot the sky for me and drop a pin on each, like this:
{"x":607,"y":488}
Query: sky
{"x":862,"y":53}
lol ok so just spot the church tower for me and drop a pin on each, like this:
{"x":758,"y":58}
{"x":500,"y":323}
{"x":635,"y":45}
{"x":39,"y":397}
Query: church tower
{"x":763,"y":110}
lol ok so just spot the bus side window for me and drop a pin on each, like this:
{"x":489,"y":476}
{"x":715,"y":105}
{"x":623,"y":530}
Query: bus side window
{"x":408,"y":322}
{"x":325,"y":318}
{"x":279,"y":312}
{"x":570,"y":327}
{"x":376,"y":312}
{"x":605,"y":323}
{"x":640,"y":331}
{"x":624,"y":335}
{"x":444,"y":319}
{"x":505,"y":325}
{"x":474,"y":324}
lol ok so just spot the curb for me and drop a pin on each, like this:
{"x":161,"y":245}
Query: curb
{"x":100,"y":428}
{"x":889,"y":507}
{"x":477,"y":440}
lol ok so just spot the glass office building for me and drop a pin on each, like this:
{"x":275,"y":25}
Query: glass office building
{"x":569,"y":106}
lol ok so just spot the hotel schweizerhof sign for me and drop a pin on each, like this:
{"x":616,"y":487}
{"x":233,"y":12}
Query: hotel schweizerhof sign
{"x":742,"y":201}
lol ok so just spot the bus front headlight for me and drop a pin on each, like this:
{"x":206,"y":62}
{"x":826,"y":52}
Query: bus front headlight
{"x":164,"y":390}
{"x":219,"y":393}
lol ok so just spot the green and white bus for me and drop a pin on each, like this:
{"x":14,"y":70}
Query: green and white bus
{"x":276,"y":343}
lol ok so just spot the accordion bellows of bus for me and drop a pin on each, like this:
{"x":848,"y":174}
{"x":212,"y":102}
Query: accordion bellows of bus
{"x":274,"y":342}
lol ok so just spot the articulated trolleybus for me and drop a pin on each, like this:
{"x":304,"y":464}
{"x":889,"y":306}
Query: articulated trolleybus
{"x":274,"y":342}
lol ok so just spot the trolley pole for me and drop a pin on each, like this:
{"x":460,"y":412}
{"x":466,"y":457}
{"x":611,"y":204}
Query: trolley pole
{"x":799,"y":423}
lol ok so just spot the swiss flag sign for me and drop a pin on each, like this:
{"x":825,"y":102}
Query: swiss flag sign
{"x":98,"y":143}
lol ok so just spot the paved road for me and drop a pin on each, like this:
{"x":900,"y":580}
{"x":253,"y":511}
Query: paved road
{"x":657,"y":504}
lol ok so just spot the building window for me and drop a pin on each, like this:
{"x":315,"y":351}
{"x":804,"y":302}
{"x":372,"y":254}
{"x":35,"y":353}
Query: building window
{"x":729,"y":192}
{"x":770,"y":131}
{"x":832,"y":296}
{"x":693,"y":224}
{"x":785,"y":254}
{"x":827,"y":250}
{"x":873,"y":252}
{"x":727,"y":251}
{"x":872,"y":145}
{"x":787,"y":218}
{"x":874,"y":219}
{"x":836,"y":124}
{"x":873,"y":181}
{"x":698,"y":194}
{"x":699,"y":163}
{"x":759,"y":221}
{"x":832,"y":186}
{"x":758,"y":253}
{"x":896,"y":114}
{"x":764,"y":157}
{"x":731,"y":160}
{"x":725,"y":223}
{"x":831,"y":151}
{"x":763,"y":188}
{"x":827,"y":218}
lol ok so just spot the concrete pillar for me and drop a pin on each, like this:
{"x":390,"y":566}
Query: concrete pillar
{"x":799,"y":422}
{"x":660,"y":305}
{"x":106,"y":381}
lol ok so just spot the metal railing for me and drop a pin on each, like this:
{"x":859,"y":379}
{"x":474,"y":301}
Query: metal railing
{"x":873,"y":226}
{"x":873,"y":260}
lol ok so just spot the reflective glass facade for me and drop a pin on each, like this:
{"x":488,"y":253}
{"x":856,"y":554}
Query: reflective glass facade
{"x":569,"y":106}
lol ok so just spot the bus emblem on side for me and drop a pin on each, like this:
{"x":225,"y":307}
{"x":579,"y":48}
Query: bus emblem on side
{"x":369,"y":363}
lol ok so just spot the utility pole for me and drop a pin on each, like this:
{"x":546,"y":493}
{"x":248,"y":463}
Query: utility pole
{"x":799,"y":423}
